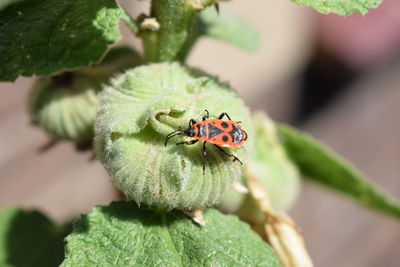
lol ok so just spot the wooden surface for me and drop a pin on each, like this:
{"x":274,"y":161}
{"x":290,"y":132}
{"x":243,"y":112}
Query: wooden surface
{"x":364,"y":127}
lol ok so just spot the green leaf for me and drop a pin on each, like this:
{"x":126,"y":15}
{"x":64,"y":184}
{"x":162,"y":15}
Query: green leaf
{"x":320,"y":164}
{"x":124,"y":235}
{"x":43,"y":37}
{"x":229,"y":27}
{"x":29,"y":239}
{"x":340,"y":7}
{"x":5,"y":3}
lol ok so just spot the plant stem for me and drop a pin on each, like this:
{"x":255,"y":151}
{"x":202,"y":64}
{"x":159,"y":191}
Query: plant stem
{"x":175,"y":34}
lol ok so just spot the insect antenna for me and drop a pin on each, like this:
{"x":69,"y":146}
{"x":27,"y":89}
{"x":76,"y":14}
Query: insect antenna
{"x":173,"y":134}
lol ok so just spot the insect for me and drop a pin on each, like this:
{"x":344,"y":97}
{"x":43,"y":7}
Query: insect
{"x":221,"y":133}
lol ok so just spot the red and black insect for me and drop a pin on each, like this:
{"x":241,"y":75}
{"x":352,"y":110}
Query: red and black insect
{"x":221,"y":133}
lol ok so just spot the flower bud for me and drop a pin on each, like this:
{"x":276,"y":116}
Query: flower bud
{"x":65,"y":105}
{"x":135,"y":114}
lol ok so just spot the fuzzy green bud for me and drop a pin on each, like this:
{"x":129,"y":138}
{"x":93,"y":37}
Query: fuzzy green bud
{"x":139,"y":109}
{"x":65,"y":105}
{"x":272,"y":168}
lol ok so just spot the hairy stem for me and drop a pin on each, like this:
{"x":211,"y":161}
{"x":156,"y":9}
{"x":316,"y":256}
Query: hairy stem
{"x":174,"y":33}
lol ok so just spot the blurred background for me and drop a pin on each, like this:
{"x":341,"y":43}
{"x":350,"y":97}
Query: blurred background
{"x":335,"y":78}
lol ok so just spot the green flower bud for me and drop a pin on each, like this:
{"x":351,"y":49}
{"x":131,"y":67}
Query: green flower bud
{"x":139,"y":109}
{"x":272,"y":167}
{"x":65,"y":105}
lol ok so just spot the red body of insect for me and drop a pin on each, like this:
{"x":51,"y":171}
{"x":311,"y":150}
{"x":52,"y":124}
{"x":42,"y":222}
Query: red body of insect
{"x":225,"y":133}
{"x":221,"y":133}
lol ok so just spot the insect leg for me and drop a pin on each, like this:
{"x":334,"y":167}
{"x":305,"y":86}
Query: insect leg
{"x":47,"y":146}
{"x":207,"y":115}
{"x":224,"y":114}
{"x":188,"y":142}
{"x":229,"y":154}
{"x":205,"y":156}
{"x":216,"y":6}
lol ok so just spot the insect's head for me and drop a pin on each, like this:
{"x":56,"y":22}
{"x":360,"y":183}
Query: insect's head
{"x":180,"y":131}
{"x":189,"y":131}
